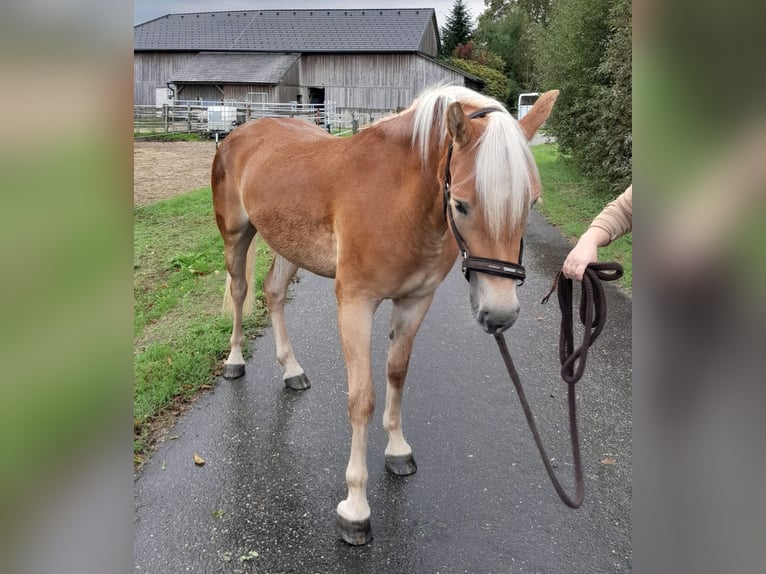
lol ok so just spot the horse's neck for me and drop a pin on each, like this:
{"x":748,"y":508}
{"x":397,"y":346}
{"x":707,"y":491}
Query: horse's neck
{"x":424,"y":198}
{"x":421,"y":189}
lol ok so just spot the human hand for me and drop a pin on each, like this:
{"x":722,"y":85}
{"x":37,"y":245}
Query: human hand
{"x":584,"y":253}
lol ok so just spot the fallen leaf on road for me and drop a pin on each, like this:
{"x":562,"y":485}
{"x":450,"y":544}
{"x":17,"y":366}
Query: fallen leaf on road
{"x":608,"y":460}
{"x":249,"y":556}
{"x":198,"y":460}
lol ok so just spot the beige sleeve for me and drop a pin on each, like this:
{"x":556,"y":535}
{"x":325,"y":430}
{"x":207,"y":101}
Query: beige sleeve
{"x":617,"y":217}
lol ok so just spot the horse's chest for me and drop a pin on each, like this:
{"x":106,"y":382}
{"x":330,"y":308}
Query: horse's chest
{"x":422,"y":276}
{"x":421,"y":283}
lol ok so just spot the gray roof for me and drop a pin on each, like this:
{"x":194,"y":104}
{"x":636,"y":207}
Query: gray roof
{"x":238,"y":68}
{"x":361,"y":30}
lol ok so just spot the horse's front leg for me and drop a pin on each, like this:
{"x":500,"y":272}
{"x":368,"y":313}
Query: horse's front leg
{"x":355,"y":324}
{"x":405,"y":321}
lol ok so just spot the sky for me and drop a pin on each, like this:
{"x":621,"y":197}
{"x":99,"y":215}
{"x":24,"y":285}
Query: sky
{"x":144,"y":10}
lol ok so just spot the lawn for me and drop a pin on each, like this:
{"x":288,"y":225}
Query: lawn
{"x":570,"y":203}
{"x":180,"y":335}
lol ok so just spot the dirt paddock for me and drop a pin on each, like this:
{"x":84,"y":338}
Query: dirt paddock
{"x":166,"y":169}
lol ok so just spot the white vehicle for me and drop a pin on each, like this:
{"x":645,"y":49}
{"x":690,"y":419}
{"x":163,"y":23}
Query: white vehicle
{"x":526,"y":101}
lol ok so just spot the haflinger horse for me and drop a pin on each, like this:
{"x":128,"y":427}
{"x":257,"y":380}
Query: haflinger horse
{"x":384,"y":213}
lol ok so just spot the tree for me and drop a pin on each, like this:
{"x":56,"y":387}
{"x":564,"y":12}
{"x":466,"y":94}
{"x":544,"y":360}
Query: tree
{"x":586,"y":53}
{"x":508,"y":32}
{"x":537,"y":10}
{"x":497,"y":85}
{"x":458,"y":29}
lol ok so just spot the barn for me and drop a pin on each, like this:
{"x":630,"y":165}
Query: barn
{"x":360,"y":59}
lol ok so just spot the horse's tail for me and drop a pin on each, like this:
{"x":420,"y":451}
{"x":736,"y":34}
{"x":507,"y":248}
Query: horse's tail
{"x":249,"y":305}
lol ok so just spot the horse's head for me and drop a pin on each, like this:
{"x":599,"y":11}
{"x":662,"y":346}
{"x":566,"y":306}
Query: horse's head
{"x":493,"y":182}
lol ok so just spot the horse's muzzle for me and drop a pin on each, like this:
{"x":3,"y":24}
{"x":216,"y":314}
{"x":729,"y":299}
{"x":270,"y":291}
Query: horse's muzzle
{"x":496,"y":322}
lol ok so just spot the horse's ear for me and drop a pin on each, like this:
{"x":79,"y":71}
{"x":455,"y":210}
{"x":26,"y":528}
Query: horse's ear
{"x":456,"y":123}
{"x":535,"y":117}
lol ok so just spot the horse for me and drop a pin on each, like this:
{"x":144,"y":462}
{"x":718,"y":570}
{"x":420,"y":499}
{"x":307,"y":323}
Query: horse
{"x":385,"y":213}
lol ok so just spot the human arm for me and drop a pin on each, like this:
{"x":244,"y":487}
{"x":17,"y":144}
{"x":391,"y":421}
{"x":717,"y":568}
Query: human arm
{"x":614,"y":221}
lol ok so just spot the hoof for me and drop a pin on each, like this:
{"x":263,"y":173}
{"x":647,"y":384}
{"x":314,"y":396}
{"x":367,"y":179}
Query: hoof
{"x":297,"y":383}
{"x":233,"y":370}
{"x":402,"y":465}
{"x":354,"y":533}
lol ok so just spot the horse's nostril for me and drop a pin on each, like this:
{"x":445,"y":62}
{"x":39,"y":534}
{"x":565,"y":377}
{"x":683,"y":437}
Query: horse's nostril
{"x":486,"y":322}
{"x":492,"y":323}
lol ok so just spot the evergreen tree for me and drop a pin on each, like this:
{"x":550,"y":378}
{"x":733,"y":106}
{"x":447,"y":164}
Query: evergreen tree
{"x":458,"y":29}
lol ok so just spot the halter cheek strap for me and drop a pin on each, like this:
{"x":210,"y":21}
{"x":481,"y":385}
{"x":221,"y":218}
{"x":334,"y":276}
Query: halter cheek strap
{"x":479,"y":264}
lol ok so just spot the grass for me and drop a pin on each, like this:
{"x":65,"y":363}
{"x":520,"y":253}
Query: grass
{"x":170,"y":136}
{"x":570,"y":202}
{"x":180,"y":334}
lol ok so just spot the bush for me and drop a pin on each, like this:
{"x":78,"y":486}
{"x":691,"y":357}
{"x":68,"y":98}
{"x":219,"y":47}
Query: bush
{"x":498,"y":86}
{"x":586,"y":53}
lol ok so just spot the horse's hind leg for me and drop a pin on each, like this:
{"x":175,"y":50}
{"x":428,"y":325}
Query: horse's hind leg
{"x":275,"y":286}
{"x":237,"y":249}
{"x":405,"y":321}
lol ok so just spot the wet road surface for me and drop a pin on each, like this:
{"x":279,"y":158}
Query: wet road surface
{"x":480,"y":502}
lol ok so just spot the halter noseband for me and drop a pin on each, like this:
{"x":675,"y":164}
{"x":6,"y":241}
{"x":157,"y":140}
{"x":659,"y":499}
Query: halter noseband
{"x":480,"y":264}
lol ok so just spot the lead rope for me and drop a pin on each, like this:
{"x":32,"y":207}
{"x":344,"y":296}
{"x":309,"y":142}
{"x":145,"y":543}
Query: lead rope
{"x":593,"y":318}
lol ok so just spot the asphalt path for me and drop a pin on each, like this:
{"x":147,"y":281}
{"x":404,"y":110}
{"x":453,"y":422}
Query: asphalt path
{"x":480,"y":502}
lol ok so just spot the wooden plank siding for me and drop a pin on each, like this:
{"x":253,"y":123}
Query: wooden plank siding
{"x":152,"y":69}
{"x":373,"y":81}
{"x":352,"y":81}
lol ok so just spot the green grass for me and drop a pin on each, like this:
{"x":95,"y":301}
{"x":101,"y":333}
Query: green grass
{"x":571,"y":202}
{"x":170,"y":137}
{"x":180,"y":334}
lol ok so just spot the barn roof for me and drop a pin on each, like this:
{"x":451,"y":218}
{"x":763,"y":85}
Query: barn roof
{"x":239,"y":68}
{"x":362,"y":30}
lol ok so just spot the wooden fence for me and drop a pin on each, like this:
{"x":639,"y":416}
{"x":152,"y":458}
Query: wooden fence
{"x":217,"y":117}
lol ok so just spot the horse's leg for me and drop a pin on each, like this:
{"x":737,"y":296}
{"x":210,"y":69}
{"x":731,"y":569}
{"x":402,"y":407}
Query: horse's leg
{"x":405,"y":321}
{"x":355,"y":324}
{"x":236,"y":251}
{"x":275,"y":287}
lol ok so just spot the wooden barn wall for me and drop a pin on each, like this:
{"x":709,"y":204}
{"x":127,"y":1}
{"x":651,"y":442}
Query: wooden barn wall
{"x":239,"y":92}
{"x":290,"y":85}
{"x":151,"y":70}
{"x":373,"y":81}
{"x":430,"y":44}
{"x":204,"y":92}
{"x":353,"y":81}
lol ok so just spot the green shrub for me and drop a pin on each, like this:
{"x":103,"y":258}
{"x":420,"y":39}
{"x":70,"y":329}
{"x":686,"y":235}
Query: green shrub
{"x":498,"y":86}
{"x":586,"y":53}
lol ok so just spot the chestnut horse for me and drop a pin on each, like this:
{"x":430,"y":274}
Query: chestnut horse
{"x":379,"y":213}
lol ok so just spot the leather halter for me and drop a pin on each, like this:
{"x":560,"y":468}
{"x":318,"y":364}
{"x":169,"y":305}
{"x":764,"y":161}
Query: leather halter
{"x":480,"y":264}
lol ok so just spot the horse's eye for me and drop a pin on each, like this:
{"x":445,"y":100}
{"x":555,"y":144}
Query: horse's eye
{"x":461,"y":207}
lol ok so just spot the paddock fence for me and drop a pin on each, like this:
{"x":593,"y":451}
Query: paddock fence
{"x":221,"y":117}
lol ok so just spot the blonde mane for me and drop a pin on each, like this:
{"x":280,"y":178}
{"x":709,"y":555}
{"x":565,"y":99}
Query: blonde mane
{"x":505,"y":171}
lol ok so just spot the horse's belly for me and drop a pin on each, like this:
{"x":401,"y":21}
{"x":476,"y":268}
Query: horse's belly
{"x":315,"y":252}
